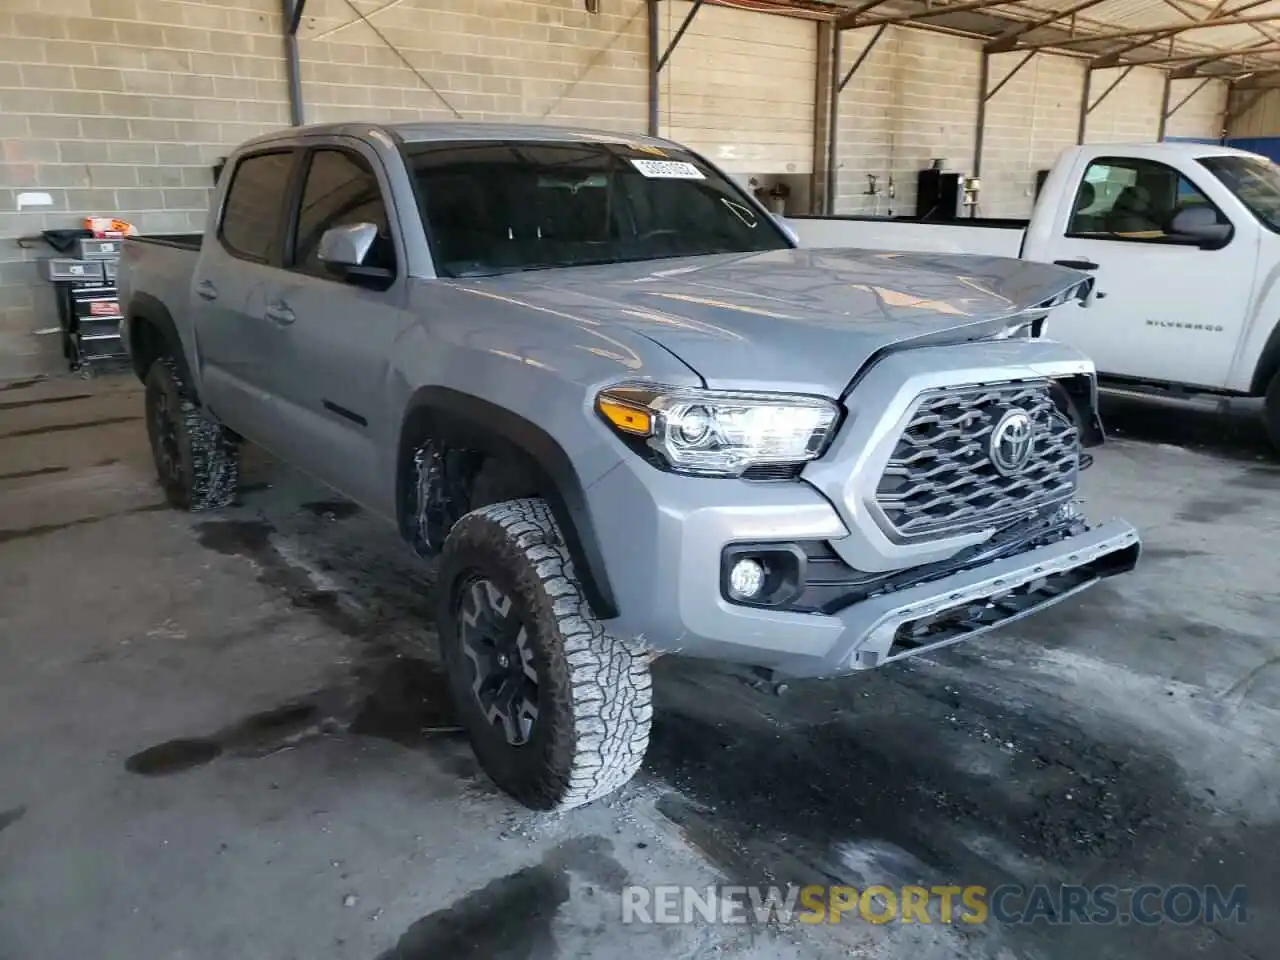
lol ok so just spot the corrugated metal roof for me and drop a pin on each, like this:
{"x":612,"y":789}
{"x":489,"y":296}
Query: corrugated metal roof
{"x":1120,"y":26}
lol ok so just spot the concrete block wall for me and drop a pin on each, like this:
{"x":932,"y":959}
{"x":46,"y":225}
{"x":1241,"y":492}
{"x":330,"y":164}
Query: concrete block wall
{"x":542,"y":61}
{"x":740,"y":87}
{"x":915,"y":98}
{"x":912,"y":100}
{"x":1130,"y":113}
{"x":1200,"y":116}
{"x":119,"y":107}
{"x":1258,"y":115}
{"x":1030,"y":120}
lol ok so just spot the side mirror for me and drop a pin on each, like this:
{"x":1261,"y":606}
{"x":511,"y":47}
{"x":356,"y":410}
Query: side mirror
{"x":347,"y":246}
{"x":1199,"y":225}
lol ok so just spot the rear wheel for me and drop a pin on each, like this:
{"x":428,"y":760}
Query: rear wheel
{"x":557,"y":709}
{"x":197,"y":461}
{"x":1271,"y":411}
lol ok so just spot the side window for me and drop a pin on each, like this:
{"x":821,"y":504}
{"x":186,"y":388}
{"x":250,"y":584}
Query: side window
{"x":1126,"y":198}
{"x":340,"y":190}
{"x":254,"y":208}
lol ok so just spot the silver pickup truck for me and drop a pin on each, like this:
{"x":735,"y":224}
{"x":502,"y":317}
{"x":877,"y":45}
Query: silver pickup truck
{"x":600,"y":382}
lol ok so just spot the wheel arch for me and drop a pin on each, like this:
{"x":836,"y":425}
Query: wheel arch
{"x":465,"y":421}
{"x":1268,"y":363}
{"x":152,"y":334}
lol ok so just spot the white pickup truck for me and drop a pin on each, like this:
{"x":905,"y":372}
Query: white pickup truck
{"x":1185,"y":241}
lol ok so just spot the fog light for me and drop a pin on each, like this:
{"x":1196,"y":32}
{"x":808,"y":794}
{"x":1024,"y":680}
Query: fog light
{"x":746,"y":579}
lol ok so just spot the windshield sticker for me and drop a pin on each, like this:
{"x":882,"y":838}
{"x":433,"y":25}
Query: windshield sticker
{"x":666,"y":169}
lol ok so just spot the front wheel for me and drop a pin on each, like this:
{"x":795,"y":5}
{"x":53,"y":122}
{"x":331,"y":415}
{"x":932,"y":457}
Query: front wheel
{"x":557,"y":709}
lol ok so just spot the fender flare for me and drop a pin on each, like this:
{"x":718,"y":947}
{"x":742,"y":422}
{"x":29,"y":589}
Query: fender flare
{"x":1268,"y":364}
{"x":489,"y":428}
{"x":149,"y":309}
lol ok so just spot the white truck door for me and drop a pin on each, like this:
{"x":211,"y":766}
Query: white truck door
{"x":1167,"y":309}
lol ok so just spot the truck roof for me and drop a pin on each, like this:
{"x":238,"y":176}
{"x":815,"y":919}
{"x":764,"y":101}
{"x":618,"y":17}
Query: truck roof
{"x":1166,"y":149}
{"x":426,"y":132}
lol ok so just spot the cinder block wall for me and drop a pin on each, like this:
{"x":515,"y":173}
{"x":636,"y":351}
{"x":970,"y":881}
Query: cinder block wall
{"x":120,"y":107}
{"x":740,"y":87}
{"x":1131,"y":112}
{"x":1200,"y":116}
{"x":915,"y":98}
{"x":541,"y":61}
{"x":1030,"y":120}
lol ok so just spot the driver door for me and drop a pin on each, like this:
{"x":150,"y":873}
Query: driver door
{"x":1165,"y":310}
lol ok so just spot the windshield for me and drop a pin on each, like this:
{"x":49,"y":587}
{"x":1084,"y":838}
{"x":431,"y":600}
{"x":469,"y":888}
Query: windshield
{"x":505,"y":206}
{"x":1255,"y":180}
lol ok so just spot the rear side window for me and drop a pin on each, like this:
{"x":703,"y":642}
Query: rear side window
{"x":254,"y":208}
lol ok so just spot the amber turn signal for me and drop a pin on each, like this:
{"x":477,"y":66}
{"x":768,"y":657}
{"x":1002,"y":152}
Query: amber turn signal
{"x":625,"y":417}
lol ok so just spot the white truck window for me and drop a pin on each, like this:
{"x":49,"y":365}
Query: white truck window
{"x":1255,"y":180}
{"x":1130,"y":199}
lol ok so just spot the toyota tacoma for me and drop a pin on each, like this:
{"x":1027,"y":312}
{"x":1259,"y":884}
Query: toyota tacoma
{"x":602,"y":385}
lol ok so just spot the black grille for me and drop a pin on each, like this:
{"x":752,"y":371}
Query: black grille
{"x":773,"y":471}
{"x":941,"y":478}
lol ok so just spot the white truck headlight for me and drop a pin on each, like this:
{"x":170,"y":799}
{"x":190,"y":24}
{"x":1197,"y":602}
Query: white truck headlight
{"x":720,"y":433}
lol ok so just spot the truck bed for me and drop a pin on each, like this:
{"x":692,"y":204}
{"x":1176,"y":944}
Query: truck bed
{"x":162,"y":267}
{"x":184,"y":241}
{"x":998,"y":238}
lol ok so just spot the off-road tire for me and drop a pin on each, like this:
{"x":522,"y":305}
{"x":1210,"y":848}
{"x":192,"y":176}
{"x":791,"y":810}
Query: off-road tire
{"x":201,"y":469}
{"x":594,"y":693}
{"x":1271,"y":411}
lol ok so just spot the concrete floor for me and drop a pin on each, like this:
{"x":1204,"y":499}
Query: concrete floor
{"x":224,"y":736}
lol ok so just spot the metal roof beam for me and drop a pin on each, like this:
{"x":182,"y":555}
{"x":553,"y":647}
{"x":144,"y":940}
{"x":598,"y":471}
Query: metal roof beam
{"x":1194,"y":61}
{"x":846,"y":21}
{"x":1113,"y":57}
{"x":932,"y":12}
{"x":1009,"y":39}
{"x":1160,"y":33}
{"x":866,"y":52}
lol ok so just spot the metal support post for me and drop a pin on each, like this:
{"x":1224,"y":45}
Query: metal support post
{"x":292,"y":10}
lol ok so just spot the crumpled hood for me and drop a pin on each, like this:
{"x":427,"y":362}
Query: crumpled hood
{"x":809,"y":319}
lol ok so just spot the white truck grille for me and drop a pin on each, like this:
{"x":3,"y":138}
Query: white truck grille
{"x":962,"y":461}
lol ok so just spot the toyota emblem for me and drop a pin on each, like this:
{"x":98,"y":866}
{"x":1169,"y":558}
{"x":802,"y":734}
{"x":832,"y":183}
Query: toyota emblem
{"x":1012,"y":442}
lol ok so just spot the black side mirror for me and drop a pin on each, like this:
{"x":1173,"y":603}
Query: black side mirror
{"x":1198,"y":225}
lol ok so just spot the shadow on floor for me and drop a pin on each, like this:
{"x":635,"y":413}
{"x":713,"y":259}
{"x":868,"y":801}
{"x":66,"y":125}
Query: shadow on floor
{"x":1235,"y":434}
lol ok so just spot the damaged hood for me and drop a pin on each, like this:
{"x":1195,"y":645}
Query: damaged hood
{"x":806,"y":319}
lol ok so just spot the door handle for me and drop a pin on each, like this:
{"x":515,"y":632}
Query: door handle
{"x":205,"y":290}
{"x":280,"y":313}
{"x":1077,"y":264}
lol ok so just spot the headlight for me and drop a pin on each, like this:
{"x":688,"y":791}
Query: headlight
{"x":718,"y":433}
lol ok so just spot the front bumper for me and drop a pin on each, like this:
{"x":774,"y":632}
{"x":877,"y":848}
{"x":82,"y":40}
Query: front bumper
{"x":663,"y":537}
